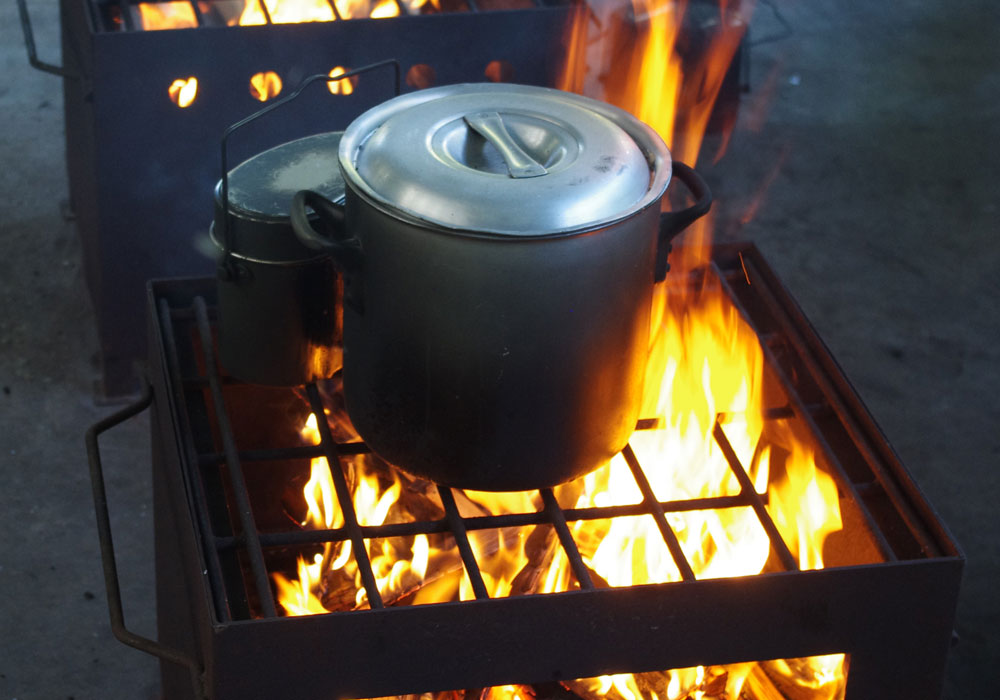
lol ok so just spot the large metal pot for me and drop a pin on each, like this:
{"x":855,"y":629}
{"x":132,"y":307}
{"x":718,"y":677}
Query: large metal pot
{"x":499,"y":245}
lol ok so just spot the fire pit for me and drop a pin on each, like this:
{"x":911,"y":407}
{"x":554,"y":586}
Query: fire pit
{"x":757,"y":538}
{"x":765,"y":518}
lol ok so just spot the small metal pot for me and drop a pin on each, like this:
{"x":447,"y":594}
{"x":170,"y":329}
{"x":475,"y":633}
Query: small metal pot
{"x":279,"y":320}
{"x":499,"y":245}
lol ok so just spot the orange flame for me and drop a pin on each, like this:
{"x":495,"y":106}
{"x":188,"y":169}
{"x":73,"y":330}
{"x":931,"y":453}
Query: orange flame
{"x":285,"y":12}
{"x":183,"y":92}
{"x":294,"y":11}
{"x":397,"y":566}
{"x":340,"y":87}
{"x":179,"y":14}
{"x":386,"y":8}
{"x":264,"y":86}
{"x":626,"y":53}
{"x":167,"y":15}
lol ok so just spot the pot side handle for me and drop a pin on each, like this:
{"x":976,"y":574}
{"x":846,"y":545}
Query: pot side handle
{"x":674,"y":222}
{"x":342,"y":247}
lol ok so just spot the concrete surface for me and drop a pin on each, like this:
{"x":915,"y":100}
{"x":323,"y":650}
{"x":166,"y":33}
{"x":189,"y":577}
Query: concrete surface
{"x":882,"y":219}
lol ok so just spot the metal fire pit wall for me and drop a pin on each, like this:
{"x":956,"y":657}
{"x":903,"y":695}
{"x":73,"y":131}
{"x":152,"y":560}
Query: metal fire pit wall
{"x":142,"y":170}
{"x":892,"y":613}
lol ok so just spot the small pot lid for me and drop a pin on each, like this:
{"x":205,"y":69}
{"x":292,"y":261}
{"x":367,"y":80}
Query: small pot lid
{"x":260,"y":196}
{"x":501,"y":159}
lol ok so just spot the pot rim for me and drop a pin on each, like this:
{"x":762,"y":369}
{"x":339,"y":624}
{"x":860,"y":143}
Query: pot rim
{"x":651,"y":145}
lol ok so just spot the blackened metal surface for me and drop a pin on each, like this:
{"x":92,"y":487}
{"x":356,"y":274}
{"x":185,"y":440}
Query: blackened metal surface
{"x":183,"y":598}
{"x":877,"y":614}
{"x":893,"y":615}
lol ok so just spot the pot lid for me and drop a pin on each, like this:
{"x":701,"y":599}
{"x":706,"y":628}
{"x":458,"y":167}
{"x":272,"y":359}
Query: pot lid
{"x":260,"y":196}
{"x":501,"y":159}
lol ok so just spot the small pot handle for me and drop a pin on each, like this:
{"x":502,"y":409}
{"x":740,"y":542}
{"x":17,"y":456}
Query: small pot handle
{"x":673,"y":222}
{"x":342,"y":247}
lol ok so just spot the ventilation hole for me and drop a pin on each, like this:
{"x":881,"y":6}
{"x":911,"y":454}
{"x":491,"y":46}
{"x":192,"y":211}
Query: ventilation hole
{"x":420,"y":76}
{"x":341,"y":87}
{"x":264,"y":86}
{"x":182,"y":92}
{"x":499,"y":71}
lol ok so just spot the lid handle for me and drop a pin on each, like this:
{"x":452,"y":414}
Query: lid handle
{"x":490,"y":126}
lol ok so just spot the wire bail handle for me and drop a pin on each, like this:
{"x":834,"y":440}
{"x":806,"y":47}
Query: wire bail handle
{"x":227,"y":269}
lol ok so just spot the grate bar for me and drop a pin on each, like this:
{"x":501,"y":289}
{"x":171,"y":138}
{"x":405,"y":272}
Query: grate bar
{"x":194,"y":485}
{"x":484,"y":522}
{"x":558,"y":520}
{"x":264,"y":11}
{"x":332,"y":453}
{"x":336,"y":10}
{"x":754,"y":499}
{"x":457,"y":526}
{"x":681,"y":506}
{"x":653,"y":507}
{"x":790,"y":332}
{"x":128,"y":21}
{"x":198,"y":17}
{"x":282,"y":453}
{"x":193,"y":380}
{"x":247,"y":523}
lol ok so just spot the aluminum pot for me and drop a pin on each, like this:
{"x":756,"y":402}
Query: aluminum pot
{"x":279,"y":317}
{"x":499,"y":245}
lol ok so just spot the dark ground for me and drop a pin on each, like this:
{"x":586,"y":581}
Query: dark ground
{"x":882,"y":220}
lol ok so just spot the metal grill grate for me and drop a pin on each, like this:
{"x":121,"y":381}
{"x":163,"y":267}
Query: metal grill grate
{"x":889,"y":603}
{"x":188,"y":335}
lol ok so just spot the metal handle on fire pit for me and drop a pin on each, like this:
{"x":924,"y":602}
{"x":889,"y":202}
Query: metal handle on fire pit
{"x":226,"y":266}
{"x":29,"y":43}
{"x":113,"y":588}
